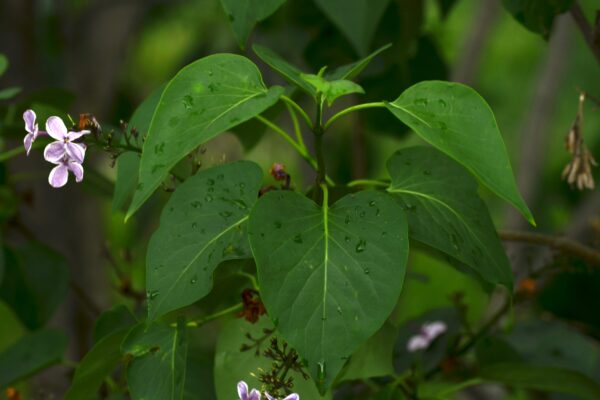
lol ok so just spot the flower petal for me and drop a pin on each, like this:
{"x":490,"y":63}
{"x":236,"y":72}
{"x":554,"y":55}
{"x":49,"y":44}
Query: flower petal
{"x":54,"y":152}
{"x":417,"y":343}
{"x":242,"y":388}
{"x":269,"y":397}
{"x":27,"y":142}
{"x":293,"y":396}
{"x":58,"y":176}
{"x":29,"y":118}
{"x":75,"y":152}
{"x":434,"y":329}
{"x":77,"y":135}
{"x":254,"y":395}
{"x":77,"y":170}
{"x":56,"y":128}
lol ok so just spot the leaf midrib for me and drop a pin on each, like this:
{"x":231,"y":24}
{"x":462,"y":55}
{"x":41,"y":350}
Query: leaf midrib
{"x":200,"y":252}
{"x":391,"y":189}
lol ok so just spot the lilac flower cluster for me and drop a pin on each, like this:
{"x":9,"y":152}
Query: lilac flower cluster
{"x":65,"y":153}
{"x":254,"y":394}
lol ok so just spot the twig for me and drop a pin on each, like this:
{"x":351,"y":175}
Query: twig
{"x":586,"y":30}
{"x":561,"y":243}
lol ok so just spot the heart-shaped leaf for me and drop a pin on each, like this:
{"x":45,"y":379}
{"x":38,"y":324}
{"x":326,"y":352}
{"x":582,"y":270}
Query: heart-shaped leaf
{"x":445,"y":212}
{"x":204,"y":99}
{"x":202,"y":225}
{"x":456,"y":120}
{"x":329,"y":276}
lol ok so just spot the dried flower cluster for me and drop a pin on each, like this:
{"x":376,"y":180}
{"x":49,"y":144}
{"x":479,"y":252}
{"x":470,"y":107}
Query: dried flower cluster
{"x":578,"y":172}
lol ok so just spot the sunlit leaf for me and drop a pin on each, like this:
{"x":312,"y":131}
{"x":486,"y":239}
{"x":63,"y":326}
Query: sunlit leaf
{"x":329,"y":276}
{"x":456,"y":120}
{"x":290,"y":72}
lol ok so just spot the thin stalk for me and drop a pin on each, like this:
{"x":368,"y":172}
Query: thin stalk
{"x":7,"y":155}
{"x":302,"y":151}
{"x":348,"y":110}
{"x":300,"y":110}
{"x":201,"y":321}
{"x":294,"y":118}
{"x":367,"y":182}
{"x":319,"y":131}
{"x":251,"y":278}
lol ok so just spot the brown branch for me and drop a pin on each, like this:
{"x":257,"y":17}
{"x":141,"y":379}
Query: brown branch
{"x":561,"y":243}
{"x":586,"y":30}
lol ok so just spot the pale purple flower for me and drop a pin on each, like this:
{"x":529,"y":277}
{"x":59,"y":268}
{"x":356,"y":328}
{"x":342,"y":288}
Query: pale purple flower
{"x":293,"y":396}
{"x":429,"y":332}
{"x":55,"y":152}
{"x":32,"y":129}
{"x":60,"y":174}
{"x":242,"y":388}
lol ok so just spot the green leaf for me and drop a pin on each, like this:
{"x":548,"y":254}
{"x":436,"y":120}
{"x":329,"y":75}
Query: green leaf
{"x":356,"y":19}
{"x":31,"y":354}
{"x":102,"y":359}
{"x":352,"y":70}
{"x":3,"y":64}
{"x":128,"y":164}
{"x":374,"y":357}
{"x":202,"y":225}
{"x":204,"y":99}
{"x":445,"y":212}
{"x":113,"y":320}
{"x":329,"y":276}
{"x":9,"y":93}
{"x":289,"y":72}
{"x":245,"y":14}
{"x":159,"y":353}
{"x":233,"y":365}
{"x":35,"y":283}
{"x":537,"y":15}
{"x":548,"y":379}
{"x":456,"y":120}
{"x":332,"y":90}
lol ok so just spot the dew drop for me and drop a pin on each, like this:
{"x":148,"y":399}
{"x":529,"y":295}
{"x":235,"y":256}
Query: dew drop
{"x":208,"y":198}
{"x":366,"y":271}
{"x":421,"y":102}
{"x":372,"y":203}
{"x":210,"y":182}
{"x":361,"y":245}
{"x":347,"y":219}
{"x":188,"y":102}
{"x":194,"y":279}
{"x":152,"y":294}
{"x":225,"y":214}
{"x":277,"y":224}
{"x":210,"y":73}
{"x":347,"y":239}
{"x":442,"y":103}
{"x":196,"y":204}
{"x":427,"y":172}
{"x":339,"y":310}
{"x":298,"y":238}
{"x":194,"y":225}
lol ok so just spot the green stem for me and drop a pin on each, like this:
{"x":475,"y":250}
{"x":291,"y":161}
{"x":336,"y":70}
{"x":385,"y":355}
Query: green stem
{"x":294,"y":118}
{"x":251,"y":278}
{"x":348,"y":110}
{"x":201,"y":321}
{"x":302,"y":151}
{"x":319,"y":131}
{"x":300,"y":110}
{"x":7,"y":155}
{"x":367,"y":182}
